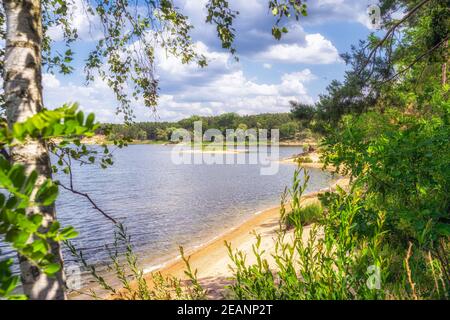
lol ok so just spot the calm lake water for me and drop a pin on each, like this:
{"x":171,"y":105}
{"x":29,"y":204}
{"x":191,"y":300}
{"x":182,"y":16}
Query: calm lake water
{"x":164,"y":205}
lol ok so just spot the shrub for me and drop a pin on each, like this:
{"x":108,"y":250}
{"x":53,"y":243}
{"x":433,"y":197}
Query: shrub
{"x":303,"y":159}
{"x":401,"y":160}
{"x":304,"y":134}
{"x":308,"y":214}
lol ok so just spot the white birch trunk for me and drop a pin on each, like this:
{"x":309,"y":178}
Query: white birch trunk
{"x":23,"y":98}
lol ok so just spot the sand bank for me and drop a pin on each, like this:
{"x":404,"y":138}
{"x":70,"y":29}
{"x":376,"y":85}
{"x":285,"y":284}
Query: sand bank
{"x":315,"y":163}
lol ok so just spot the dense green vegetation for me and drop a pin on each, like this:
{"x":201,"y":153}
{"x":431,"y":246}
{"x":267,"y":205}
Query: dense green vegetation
{"x":311,"y":213}
{"x":331,"y":264}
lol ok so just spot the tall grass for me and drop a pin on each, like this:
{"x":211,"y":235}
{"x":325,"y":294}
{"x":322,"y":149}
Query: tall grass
{"x":308,"y":214}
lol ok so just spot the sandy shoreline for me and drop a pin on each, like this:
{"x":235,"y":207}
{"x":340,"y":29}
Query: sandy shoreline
{"x":314,"y":164}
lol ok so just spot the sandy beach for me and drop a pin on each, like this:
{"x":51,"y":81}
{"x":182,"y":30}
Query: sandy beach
{"x":314,"y":164}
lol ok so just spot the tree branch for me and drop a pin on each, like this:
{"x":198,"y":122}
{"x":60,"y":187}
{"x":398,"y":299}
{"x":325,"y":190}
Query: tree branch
{"x":416,"y":60}
{"x":94,"y":205}
{"x":390,"y":31}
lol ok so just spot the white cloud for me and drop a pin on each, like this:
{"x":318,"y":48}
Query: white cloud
{"x":50,"y":81}
{"x":97,"y":97}
{"x":170,"y":66}
{"x":267,"y":66}
{"x":304,"y":76}
{"x":324,"y":11}
{"x":316,"y":50}
{"x":233,"y":92}
{"x":254,"y":23}
{"x":230,"y":92}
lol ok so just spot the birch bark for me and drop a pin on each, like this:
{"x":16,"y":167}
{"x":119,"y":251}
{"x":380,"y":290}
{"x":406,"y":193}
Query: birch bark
{"x":22,"y":80}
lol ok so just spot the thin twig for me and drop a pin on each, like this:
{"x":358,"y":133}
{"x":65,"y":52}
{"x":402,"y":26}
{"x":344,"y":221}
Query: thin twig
{"x":71,"y":188}
{"x":94,"y":205}
{"x":408,"y":272}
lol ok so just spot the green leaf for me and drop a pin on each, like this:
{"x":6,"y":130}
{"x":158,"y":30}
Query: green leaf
{"x":51,"y":268}
{"x":9,"y":284}
{"x":80,"y":118}
{"x":276,"y":32}
{"x":90,"y":120}
{"x":39,"y":245}
{"x":443,"y":229}
{"x":48,"y":193}
{"x":17,"y":237}
{"x":68,"y":233}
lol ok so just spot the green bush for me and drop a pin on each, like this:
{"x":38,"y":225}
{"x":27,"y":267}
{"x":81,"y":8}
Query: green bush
{"x":303,"y":159}
{"x":402,"y":162}
{"x":305,"y":134}
{"x":306,"y":215}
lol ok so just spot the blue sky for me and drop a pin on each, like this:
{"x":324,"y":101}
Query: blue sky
{"x":268,"y":75}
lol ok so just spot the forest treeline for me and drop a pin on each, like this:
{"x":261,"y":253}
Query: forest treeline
{"x":303,"y":122}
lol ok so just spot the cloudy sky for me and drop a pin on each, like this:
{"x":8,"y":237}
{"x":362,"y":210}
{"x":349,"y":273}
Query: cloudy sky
{"x":268,"y":75}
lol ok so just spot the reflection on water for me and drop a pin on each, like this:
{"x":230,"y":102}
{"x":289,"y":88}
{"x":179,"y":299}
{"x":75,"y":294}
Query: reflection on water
{"x":165,"y":205}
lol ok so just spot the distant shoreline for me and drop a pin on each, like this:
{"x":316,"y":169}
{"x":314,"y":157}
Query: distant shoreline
{"x":100,"y":139}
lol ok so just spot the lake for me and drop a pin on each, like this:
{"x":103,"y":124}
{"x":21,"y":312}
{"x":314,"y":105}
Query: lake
{"x":164,"y":205}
